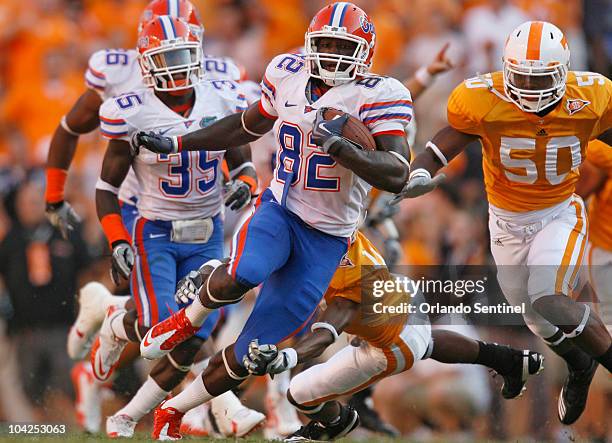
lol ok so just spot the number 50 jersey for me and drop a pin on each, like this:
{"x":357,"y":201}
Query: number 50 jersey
{"x":531,"y":162}
{"x":309,"y":182}
{"x":181,"y":186}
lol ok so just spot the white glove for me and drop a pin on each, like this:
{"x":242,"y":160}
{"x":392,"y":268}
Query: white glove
{"x":63,"y":217}
{"x":123,"y":262}
{"x":267,"y":359}
{"x":419,"y":183}
{"x":237,"y":195}
{"x":188,"y":288}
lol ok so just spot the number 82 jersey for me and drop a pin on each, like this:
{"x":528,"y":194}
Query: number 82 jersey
{"x":531,"y":162}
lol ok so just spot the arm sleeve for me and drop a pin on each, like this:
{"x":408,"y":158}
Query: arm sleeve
{"x":269,"y":83}
{"x":388,"y":112}
{"x":95,"y":77}
{"x":462,"y":113}
{"x":112,"y":124}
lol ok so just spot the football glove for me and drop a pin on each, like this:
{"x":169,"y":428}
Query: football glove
{"x":63,"y":217}
{"x":122,"y":261}
{"x":327,"y":132}
{"x":155,"y":143}
{"x":419,"y":183}
{"x":237,"y":194}
{"x":188,"y":288}
{"x":267,"y":359}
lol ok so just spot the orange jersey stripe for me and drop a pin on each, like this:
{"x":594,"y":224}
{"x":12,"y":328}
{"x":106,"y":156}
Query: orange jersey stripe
{"x":534,"y":41}
{"x":569,"y":249}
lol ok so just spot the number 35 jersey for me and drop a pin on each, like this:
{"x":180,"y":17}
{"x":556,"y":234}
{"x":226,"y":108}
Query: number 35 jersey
{"x":179,"y":186}
{"x":531,"y":162}
{"x":309,"y":182}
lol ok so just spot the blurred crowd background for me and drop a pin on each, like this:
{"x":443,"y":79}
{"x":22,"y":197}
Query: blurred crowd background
{"x":45,"y":45}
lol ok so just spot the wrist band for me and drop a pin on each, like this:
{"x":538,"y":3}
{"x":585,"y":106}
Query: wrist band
{"x":323,"y":325}
{"x":420,"y":172}
{"x":292,"y":357}
{"x":113,"y":228}
{"x":249,"y":181}
{"x":56,"y":180}
{"x":437,"y":152}
{"x":177,"y":141}
{"x":247,"y":130}
{"x":64,"y":125}
{"x":423,"y":76}
{"x":400,"y":157}
{"x":235,"y":171}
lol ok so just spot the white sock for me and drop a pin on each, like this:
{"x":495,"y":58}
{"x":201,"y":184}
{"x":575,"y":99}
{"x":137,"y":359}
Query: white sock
{"x":198,"y":367}
{"x":193,"y":395}
{"x":196,"y":312}
{"x":227,"y":404}
{"x":118,"y":327}
{"x":148,"y":397}
{"x":278,"y":386}
{"x":116,"y":300}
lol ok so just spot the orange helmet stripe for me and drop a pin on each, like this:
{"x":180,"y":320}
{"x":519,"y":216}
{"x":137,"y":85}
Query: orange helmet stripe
{"x":534,"y":41}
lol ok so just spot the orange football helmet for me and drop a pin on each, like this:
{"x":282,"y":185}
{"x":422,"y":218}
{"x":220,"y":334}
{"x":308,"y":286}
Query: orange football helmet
{"x":170,"y":54}
{"x":343,"y":21}
{"x":182,"y":9}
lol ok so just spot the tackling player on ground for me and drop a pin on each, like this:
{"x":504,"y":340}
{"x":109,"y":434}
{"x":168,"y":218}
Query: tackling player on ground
{"x":534,"y":121}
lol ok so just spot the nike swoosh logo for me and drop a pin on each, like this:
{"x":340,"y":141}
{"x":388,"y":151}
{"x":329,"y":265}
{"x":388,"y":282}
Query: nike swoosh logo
{"x":322,"y":125}
{"x":79,"y":333}
{"x":146,"y":342}
{"x":103,"y":375}
{"x":164,"y":131}
{"x":156,"y":235}
{"x":289,"y":105}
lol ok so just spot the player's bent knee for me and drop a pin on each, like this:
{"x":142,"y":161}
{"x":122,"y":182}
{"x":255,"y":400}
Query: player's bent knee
{"x":313,"y":409}
{"x":219,"y":288}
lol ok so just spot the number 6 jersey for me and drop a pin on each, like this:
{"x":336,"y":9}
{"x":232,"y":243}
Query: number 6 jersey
{"x":531,"y":162}
{"x":306,"y":180}
{"x":181,"y":186}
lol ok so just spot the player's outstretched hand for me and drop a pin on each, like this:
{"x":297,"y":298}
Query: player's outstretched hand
{"x":326,"y":132}
{"x":122,"y":262}
{"x":237,"y":195}
{"x":419,"y":183}
{"x":63,"y":217}
{"x":442,"y":63}
{"x":267,"y":359}
{"x":188,"y":288}
{"x":155,"y":143}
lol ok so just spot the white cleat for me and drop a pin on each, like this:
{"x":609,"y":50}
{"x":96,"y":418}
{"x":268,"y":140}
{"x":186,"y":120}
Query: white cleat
{"x":196,"y":422}
{"x":120,"y":426}
{"x":241,"y":423}
{"x":88,"y":397}
{"x":93,"y":299}
{"x":108,"y":347}
{"x":282,"y":419}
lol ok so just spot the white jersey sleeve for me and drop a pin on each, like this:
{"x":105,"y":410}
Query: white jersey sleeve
{"x":114,"y":114}
{"x":279,"y":69}
{"x":221,"y":68}
{"x":387,"y":107}
{"x":113,"y":72}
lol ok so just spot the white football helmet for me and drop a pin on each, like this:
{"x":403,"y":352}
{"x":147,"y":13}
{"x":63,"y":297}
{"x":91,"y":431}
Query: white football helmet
{"x":536,"y":62}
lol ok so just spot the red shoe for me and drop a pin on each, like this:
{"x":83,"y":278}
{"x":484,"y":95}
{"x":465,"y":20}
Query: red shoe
{"x":166,"y":335}
{"x":167,"y":423}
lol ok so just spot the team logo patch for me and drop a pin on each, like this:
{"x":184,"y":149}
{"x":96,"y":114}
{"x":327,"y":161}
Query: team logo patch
{"x":207,"y":121}
{"x":366,"y":26}
{"x":308,"y":109}
{"x":188,"y":123}
{"x":575,"y":105}
{"x":346,"y":262}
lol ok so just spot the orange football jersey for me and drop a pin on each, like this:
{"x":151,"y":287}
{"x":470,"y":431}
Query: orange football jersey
{"x":360,"y":268}
{"x":600,"y":207}
{"x":531,"y":162}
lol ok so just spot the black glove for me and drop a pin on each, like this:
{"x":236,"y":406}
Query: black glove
{"x":327,"y":132}
{"x":155,"y":143}
{"x":237,"y":194}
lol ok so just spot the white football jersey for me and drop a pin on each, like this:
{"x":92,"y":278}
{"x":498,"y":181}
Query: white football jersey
{"x":323,"y":193}
{"x":113,"y":72}
{"x":181,"y":186}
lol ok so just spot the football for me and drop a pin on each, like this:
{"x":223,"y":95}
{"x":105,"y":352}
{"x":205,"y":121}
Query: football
{"x":354,"y":130}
